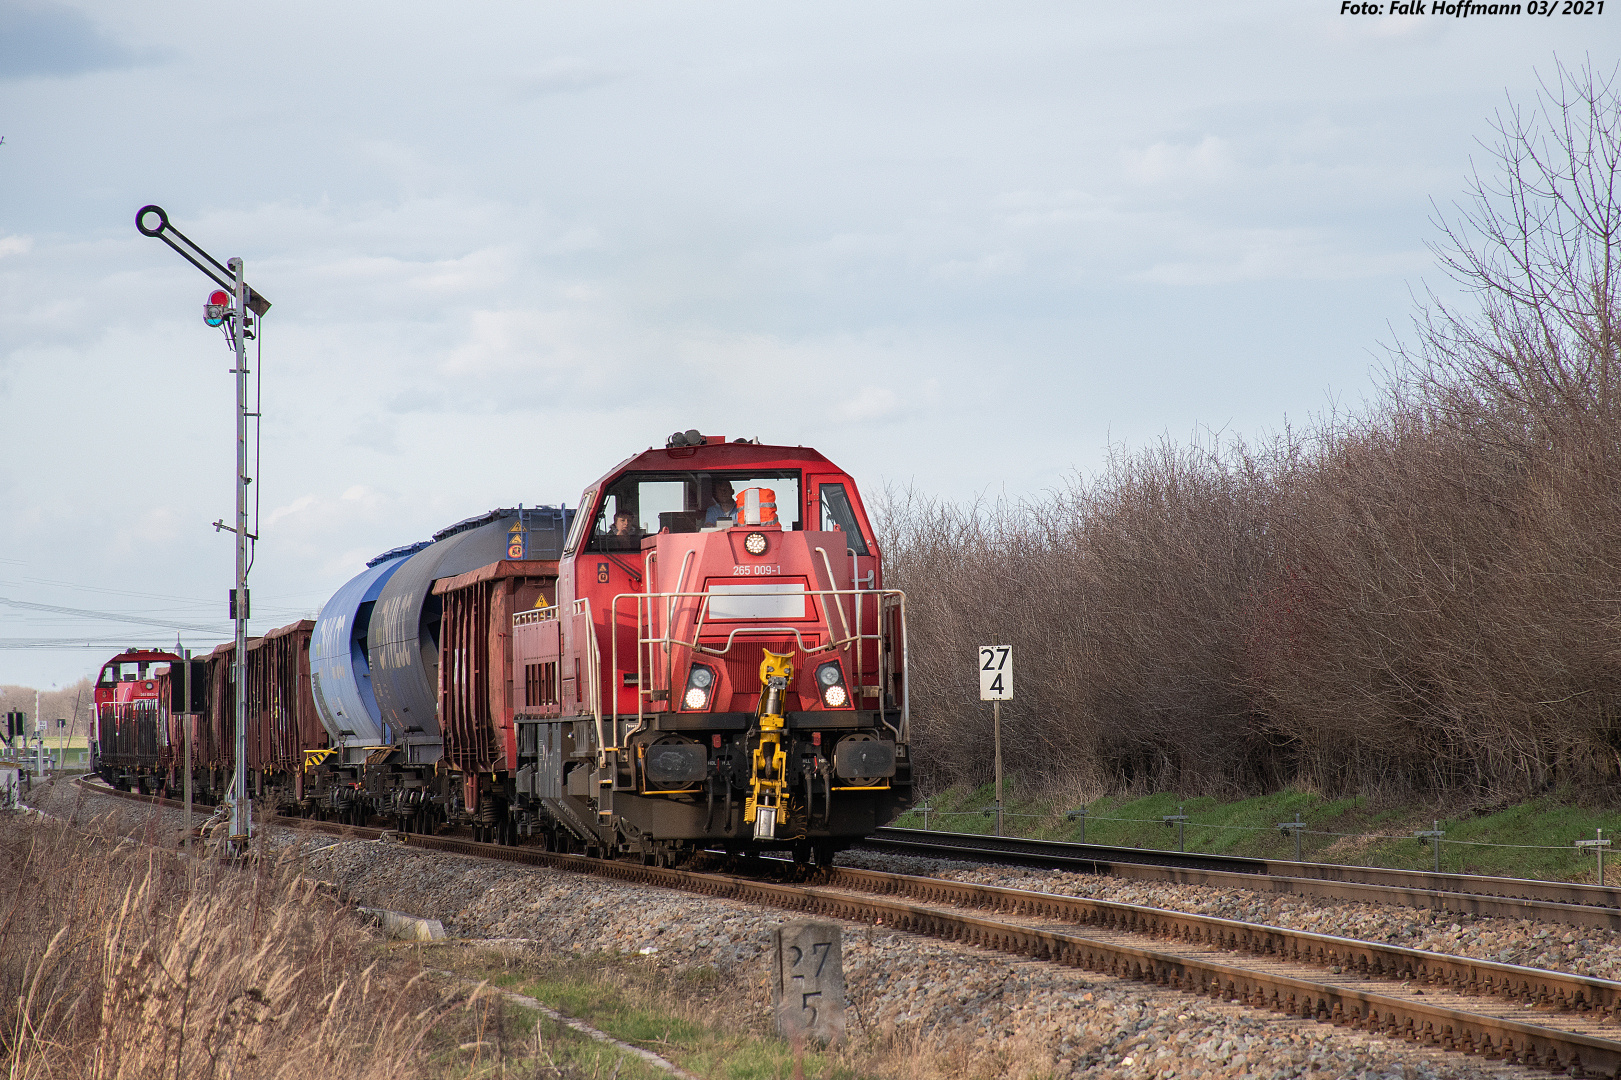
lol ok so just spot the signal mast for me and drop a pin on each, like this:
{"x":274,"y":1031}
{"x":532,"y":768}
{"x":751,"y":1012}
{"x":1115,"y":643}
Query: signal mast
{"x":232,"y":307}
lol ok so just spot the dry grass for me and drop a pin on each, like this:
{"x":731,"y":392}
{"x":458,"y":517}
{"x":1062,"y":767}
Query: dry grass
{"x":121,"y":960}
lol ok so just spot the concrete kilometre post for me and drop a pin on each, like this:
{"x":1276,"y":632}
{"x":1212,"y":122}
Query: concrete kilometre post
{"x":810,"y":983}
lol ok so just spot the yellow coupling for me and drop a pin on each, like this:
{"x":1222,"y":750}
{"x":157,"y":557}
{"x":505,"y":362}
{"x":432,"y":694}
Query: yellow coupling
{"x":768,"y":783}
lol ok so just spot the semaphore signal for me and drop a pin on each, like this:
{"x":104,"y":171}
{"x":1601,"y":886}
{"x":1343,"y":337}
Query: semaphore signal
{"x":233,"y":308}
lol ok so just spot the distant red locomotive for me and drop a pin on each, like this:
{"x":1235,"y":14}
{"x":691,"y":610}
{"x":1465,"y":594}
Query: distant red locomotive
{"x":127,"y":734}
{"x":703,"y":654}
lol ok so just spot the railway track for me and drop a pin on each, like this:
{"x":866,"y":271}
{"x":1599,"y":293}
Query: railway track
{"x":1495,"y":897}
{"x":1528,"y":1016}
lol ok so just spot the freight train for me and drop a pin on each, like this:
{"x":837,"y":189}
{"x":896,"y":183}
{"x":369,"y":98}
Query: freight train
{"x":702,"y":655}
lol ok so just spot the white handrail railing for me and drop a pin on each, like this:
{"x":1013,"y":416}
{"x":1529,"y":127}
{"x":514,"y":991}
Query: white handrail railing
{"x":892,"y":598}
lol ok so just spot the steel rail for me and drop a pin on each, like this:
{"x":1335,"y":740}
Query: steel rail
{"x":1558,"y":989}
{"x":1487,"y":897}
{"x":1433,"y":1024}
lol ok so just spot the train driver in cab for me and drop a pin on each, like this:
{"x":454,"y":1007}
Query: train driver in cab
{"x":625,"y":525}
{"x":725,"y":504}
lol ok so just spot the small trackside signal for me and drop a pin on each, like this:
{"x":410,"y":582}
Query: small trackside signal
{"x":219,"y":302}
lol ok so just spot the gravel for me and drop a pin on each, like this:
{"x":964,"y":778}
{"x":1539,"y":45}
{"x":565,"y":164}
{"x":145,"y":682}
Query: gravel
{"x":965,"y":1011}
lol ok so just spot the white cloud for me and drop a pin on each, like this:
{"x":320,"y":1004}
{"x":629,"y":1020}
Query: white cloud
{"x":1206,"y":161}
{"x":1244,"y":255}
{"x":870,"y":403}
{"x":296,"y":508}
{"x":564,"y":74}
{"x":990,"y":264}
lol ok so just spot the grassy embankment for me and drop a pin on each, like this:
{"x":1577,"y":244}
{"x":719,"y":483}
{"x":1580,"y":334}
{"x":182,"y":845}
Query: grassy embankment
{"x":707,"y":1024}
{"x":1537,"y":836}
{"x":691,"y":1018}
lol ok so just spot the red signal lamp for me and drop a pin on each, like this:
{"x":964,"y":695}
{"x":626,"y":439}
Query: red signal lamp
{"x":219,"y":302}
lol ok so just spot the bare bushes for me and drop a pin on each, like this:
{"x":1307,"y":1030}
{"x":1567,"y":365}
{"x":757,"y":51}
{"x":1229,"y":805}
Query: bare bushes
{"x":1120,"y":599}
{"x":121,"y":960}
{"x":1424,"y":598}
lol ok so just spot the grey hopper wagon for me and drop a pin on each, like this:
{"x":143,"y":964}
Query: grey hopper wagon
{"x":404,"y":635}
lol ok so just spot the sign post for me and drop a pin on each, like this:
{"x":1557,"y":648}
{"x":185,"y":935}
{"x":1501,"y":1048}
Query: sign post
{"x":1598,"y":844}
{"x":996,"y":686}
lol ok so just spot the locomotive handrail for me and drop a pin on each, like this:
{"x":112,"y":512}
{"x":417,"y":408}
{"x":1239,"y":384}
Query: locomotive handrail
{"x":855,"y":583}
{"x":594,"y":672}
{"x":593,"y":662}
{"x":680,"y":579}
{"x":842,"y":620}
{"x":895,"y":598}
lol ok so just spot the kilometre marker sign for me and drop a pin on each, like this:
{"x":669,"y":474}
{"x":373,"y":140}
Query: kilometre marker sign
{"x":996,"y":673}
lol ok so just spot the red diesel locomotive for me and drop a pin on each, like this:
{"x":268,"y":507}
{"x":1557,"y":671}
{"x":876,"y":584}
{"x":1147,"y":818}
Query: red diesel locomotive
{"x":722,"y":664}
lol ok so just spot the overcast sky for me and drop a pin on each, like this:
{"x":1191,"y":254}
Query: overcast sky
{"x":960,"y":246}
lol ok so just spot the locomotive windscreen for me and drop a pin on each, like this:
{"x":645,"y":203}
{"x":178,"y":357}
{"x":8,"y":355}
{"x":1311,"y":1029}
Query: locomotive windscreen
{"x":837,"y":512}
{"x":642,"y":504}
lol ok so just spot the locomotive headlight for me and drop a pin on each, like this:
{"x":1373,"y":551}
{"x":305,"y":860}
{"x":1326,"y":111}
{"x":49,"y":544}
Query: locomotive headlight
{"x":754,"y":543}
{"x":700,"y":685}
{"x":830,"y":679}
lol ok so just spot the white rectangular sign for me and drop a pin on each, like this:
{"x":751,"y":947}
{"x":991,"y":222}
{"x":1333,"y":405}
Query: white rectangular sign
{"x":774,"y":601}
{"x":996,"y":673}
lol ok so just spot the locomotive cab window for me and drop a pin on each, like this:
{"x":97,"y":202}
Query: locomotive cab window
{"x":837,"y":513}
{"x":578,"y":529}
{"x":645,"y":504}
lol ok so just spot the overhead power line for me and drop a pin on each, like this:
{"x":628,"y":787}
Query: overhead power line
{"x":87,"y":643}
{"x":111,"y":616}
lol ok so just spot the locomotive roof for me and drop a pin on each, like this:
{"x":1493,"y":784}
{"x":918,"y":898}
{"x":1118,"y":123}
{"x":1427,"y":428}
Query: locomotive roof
{"x":142,"y":656}
{"x":716,"y":453}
